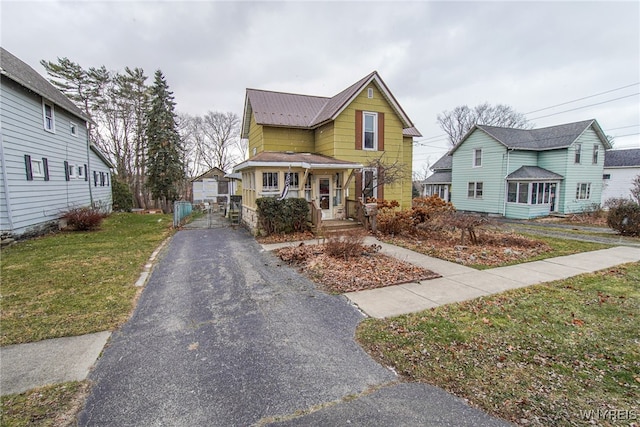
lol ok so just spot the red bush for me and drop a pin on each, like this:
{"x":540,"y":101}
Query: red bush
{"x":83,"y":219}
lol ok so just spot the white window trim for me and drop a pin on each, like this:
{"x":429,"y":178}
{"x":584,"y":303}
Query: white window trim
{"x":73,"y":129}
{"x":37,"y":168}
{"x":587,"y":191}
{"x":370,"y":93}
{"x":271,"y":188}
{"x":577,"y":155}
{"x":44,"y":116}
{"x":73,"y":171}
{"x":595,"y":157}
{"x":375,"y":130}
{"x":475,"y":190}
{"x":473,"y":161}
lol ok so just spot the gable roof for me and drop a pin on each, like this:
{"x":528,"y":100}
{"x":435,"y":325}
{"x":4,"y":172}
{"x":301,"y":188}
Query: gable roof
{"x":444,"y":162}
{"x":439,"y":177}
{"x":542,"y":139}
{"x":309,"y":112}
{"x":21,"y":73}
{"x":214,"y":171}
{"x":622,"y":158}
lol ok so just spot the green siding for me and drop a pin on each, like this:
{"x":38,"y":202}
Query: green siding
{"x":585,"y":171}
{"x":491,"y":174}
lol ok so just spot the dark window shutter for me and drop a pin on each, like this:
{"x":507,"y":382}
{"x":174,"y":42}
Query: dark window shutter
{"x":27,"y":165}
{"x":358,"y":185}
{"x":106,"y":175}
{"x":380,"y":183}
{"x":358,"y":130}
{"x":86,"y":174}
{"x":95,"y":178}
{"x":380,"y":131}
{"x":66,"y":171}
{"x":45,"y":166}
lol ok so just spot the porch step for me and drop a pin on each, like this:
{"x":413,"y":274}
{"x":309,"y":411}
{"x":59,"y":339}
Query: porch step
{"x":330,"y":226}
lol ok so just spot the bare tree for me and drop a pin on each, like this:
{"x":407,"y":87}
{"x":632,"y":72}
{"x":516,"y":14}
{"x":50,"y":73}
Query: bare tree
{"x":457,"y":122}
{"x":635,"y":189}
{"x":221,"y":131}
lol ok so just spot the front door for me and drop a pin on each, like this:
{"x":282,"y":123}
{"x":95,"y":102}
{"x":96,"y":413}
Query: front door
{"x":324,"y":197}
{"x":552,"y":196}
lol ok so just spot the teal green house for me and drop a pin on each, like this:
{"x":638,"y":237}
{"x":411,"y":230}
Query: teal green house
{"x":529,"y":173}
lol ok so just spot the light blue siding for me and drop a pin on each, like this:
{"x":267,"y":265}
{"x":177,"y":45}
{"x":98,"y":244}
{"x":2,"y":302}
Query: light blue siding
{"x":491,"y":174}
{"x":38,"y":201}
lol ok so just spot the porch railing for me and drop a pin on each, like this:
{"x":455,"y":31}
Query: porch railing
{"x":354,"y":209}
{"x":315,"y":214}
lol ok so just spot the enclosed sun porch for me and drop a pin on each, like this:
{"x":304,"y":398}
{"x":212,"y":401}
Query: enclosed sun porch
{"x":322,"y":181}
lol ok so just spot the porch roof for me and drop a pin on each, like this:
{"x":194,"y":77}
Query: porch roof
{"x":531,"y":173}
{"x":295,"y":160}
{"x":439,"y":177}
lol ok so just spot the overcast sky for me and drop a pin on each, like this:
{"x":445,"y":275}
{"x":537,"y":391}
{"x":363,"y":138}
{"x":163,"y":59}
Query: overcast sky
{"x":434,"y":56}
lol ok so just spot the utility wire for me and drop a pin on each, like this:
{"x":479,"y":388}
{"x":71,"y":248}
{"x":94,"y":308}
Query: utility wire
{"x":586,"y":106}
{"x":586,"y":97}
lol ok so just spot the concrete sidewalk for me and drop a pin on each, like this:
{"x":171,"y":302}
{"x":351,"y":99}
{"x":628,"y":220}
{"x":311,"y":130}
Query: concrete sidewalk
{"x":460,"y":283}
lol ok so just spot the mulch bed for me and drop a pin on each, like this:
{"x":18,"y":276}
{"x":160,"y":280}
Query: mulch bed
{"x":369,"y":270}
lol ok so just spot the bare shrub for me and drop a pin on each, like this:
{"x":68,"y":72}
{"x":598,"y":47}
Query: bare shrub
{"x":347,"y":244}
{"x":394,"y":222}
{"x":83,"y":219}
{"x":466,"y":223}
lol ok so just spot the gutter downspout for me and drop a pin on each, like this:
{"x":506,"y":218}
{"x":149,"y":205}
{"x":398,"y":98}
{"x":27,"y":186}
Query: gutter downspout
{"x":89,"y":165}
{"x":5,"y":184}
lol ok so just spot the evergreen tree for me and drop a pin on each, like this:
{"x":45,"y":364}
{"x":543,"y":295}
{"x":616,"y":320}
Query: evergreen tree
{"x":165,"y":168}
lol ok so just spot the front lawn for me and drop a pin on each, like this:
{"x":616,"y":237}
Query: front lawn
{"x":74,"y":283}
{"x":562,"y":353}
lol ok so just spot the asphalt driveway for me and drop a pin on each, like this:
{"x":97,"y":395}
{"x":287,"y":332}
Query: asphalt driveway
{"x":224,"y":335}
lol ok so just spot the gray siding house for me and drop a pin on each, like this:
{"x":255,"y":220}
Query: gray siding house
{"x":439,"y":183}
{"x":529,"y":173}
{"x":47,"y":164}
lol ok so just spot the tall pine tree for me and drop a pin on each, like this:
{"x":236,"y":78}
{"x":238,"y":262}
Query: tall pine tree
{"x":165,"y":168}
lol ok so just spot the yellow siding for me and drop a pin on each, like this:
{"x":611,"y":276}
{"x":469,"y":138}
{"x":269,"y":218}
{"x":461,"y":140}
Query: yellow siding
{"x":287,"y":139}
{"x":256,"y":141}
{"x":324,"y":140}
{"x":395,"y":145}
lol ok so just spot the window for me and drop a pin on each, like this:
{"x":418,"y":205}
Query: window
{"x":37,"y":168}
{"x":606,"y":176}
{"x":80,"y":169}
{"x":477,"y":157}
{"x":474,"y":190}
{"x":294,"y":179}
{"x":337,"y":190}
{"x":583,"y":191}
{"x":72,"y":171}
{"x":74,"y":128}
{"x":370,"y":93}
{"x":49,"y":117}
{"x":269,"y":181}
{"x":596,"y":149}
{"x":534,"y":193}
{"x":578,"y":152}
{"x":369,"y":136}
{"x":369,"y":183}
{"x":307,"y":188}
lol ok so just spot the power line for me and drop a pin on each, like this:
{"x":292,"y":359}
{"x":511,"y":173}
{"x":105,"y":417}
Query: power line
{"x":580,"y":99}
{"x":586,"y":106}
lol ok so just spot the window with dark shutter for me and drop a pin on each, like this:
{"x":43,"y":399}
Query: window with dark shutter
{"x":95,"y":178}
{"x":86,"y":175}
{"x":66,"y":171}
{"x":381,"y":132}
{"x":27,"y":164}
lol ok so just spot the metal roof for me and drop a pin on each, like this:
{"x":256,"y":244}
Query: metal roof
{"x":530,"y":173}
{"x":622,"y":158}
{"x":549,"y":138}
{"x":309,"y":112}
{"x":16,"y":70}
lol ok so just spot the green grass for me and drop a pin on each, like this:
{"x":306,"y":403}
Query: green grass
{"x":74,"y":283}
{"x":541,"y":354}
{"x":53,"y":406}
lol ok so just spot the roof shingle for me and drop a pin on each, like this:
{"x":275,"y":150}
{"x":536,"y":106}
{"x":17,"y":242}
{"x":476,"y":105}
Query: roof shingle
{"x":23,"y":74}
{"x":622,"y":158}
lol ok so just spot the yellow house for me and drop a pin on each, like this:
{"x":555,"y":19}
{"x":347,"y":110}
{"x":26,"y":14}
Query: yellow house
{"x":334,"y":152}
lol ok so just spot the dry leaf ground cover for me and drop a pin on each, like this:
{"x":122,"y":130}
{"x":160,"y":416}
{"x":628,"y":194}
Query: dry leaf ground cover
{"x":564,"y":353}
{"x":368,"y":269}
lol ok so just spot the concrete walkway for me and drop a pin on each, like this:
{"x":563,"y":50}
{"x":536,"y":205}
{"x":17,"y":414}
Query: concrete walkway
{"x":460,"y":283}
